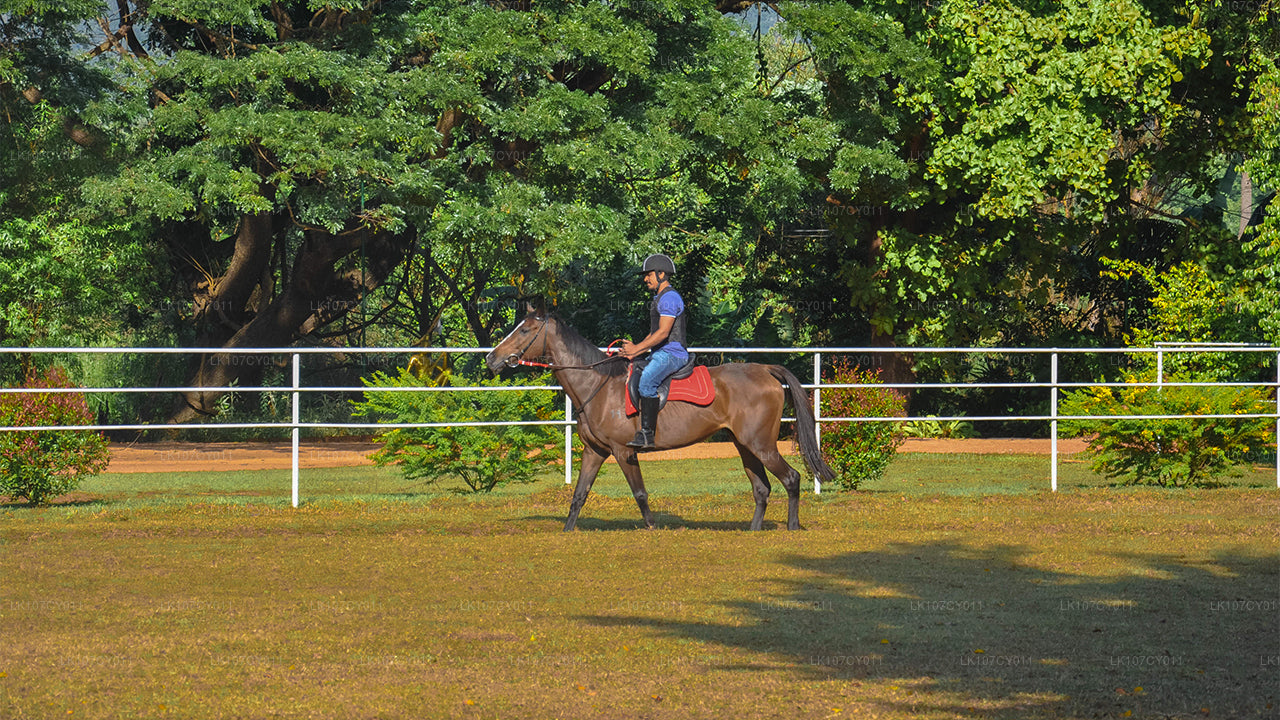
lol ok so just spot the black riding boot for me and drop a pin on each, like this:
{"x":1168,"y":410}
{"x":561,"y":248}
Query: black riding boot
{"x":645,"y":438}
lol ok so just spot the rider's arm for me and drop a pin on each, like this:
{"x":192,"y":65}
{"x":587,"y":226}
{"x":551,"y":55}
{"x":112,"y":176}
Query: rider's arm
{"x":652,"y":340}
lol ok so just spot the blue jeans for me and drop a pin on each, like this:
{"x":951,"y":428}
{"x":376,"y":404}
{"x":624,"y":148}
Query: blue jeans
{"x":661,"y":364}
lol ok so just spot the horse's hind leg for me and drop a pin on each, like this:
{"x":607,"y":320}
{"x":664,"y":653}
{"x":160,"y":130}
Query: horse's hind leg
{"x":631,"y":470}
{"x":759,"y":483}
{"x":591,"y":462}
{"x":790,"y":480}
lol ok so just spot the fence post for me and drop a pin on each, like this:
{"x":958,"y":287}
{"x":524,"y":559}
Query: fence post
{"x":297,"y":375}
{"x":568,"y":439}
{"x":1053,"y":423}
{"x":817,"y":412}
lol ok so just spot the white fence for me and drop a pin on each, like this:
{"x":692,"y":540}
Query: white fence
{"x":296,"y":389}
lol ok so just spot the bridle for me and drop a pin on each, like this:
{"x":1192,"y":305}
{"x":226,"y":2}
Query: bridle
{"x":516,"y":359}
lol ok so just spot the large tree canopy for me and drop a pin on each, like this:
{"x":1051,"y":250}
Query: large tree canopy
{"x":988,"y":156}
{"x":294,"y":158}
{"x":848,"y":172}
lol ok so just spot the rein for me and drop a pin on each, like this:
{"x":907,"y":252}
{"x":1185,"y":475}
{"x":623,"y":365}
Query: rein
{"x":610,"y":356}
{"x":609,"y":351}
{"x":551,"y":366}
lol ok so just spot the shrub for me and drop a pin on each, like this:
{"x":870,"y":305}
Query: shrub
{"x":482,"y":457}
{"x":1169,"y":453}
{"x":41,"y":464}
{"x":932,"y":428}
{"x":1189,"y":306}
{"x":860,"y":451}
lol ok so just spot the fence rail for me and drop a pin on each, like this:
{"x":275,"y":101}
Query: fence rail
{"x":296,"y":389}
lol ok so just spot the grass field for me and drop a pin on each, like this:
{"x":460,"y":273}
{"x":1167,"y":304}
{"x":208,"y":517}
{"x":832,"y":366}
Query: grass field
{"x":956,"y":588}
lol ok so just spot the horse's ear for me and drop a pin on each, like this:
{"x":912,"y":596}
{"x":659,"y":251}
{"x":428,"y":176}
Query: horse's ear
{"x":536,"y":306}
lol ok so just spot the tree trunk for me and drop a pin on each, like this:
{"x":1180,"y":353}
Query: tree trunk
{"x":1246,"y":203}
{"x":222,"y":304}
{"x":316,"y":293}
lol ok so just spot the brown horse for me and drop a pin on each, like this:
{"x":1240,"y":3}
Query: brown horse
{"x":749,"y":402}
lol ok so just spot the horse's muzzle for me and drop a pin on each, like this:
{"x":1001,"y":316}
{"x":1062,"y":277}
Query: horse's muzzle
{"x":495,"y":364}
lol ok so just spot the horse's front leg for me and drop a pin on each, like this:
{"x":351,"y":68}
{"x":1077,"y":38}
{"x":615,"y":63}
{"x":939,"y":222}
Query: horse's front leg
{"x":591,"y":462}
{"x":630,"y":465}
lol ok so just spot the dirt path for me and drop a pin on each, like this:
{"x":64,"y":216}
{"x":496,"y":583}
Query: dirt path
{"x":197,"y":457}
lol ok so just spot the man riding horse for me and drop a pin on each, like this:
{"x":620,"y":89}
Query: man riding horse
{"x":747,"y":401}
{"x":668,"y":324}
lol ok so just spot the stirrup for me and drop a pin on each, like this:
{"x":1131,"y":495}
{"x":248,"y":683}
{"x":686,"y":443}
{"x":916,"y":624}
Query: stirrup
{"x":642,"y":441}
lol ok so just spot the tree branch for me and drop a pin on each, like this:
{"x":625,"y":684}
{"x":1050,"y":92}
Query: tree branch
{"x":126,"y":22}
{"x":783,"y":75}
{"x":112,"y":40}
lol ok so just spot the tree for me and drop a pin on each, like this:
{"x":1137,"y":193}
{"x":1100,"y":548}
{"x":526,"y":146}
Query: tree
{"x":979,"y":161}
{"x":67,"y":277}
{"x":869,"y":171}
{"x":296,"y":159}
{"x":1259,"y":223}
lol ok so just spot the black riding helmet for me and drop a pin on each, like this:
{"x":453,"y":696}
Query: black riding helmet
{"x":659,"y":263}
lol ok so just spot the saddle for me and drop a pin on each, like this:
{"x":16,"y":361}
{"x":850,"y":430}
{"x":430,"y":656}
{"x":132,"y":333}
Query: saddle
{"x":691,"y":383}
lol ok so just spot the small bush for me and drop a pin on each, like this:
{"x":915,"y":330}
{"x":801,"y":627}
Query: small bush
{"x":860,"y":451}
{"x":42,"y":464}
{"x":1169,"y":453}
{"x":933,"y":429}
{"x":482,"y":457}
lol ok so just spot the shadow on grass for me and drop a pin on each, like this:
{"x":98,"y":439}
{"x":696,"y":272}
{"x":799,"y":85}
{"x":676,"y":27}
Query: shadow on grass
{"x":63,"y":502}
{"x":661,"y":521}
{"x":960,"y":627}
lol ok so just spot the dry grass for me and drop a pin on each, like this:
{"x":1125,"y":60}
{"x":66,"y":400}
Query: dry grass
{"x":1090,"y":603}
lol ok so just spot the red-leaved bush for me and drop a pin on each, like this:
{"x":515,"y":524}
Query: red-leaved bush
{"x":42,"y":464}
{"x":860,"y":451}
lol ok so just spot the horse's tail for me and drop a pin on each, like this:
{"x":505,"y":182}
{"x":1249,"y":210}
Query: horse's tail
{"x":806,"y":437}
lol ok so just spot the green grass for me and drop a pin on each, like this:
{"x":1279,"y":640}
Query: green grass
{"x":957,"y":588}
{"x":910,"y":474}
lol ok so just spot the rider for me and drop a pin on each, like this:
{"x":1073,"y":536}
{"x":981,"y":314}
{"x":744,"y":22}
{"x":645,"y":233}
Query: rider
{"x":666,"y":338}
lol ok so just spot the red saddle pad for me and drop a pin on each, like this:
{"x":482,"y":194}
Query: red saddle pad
{"x":697,"y":389}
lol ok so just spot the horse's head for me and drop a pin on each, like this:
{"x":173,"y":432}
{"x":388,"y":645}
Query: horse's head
{"x":526,"y":342}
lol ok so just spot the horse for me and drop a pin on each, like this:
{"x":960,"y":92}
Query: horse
{"x":749,"y":401}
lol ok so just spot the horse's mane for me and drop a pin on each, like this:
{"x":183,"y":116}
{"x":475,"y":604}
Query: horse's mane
{"x":584,"y":351}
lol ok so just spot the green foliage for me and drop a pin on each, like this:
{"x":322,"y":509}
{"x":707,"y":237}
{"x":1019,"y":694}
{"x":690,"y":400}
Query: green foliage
{"x":482,"y":457}
{"x":1034,"y":107}
{"x":1189,"y":306}
{"x":860,"y":451}
{"x":988,"y":153}
{"x":42,"y":464}
{"x":932,"y":428}
{"x":63,"y":281}
{"x":1170,"y":453}
{"x":943,"y":173}
{"x":1263,"y":244}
